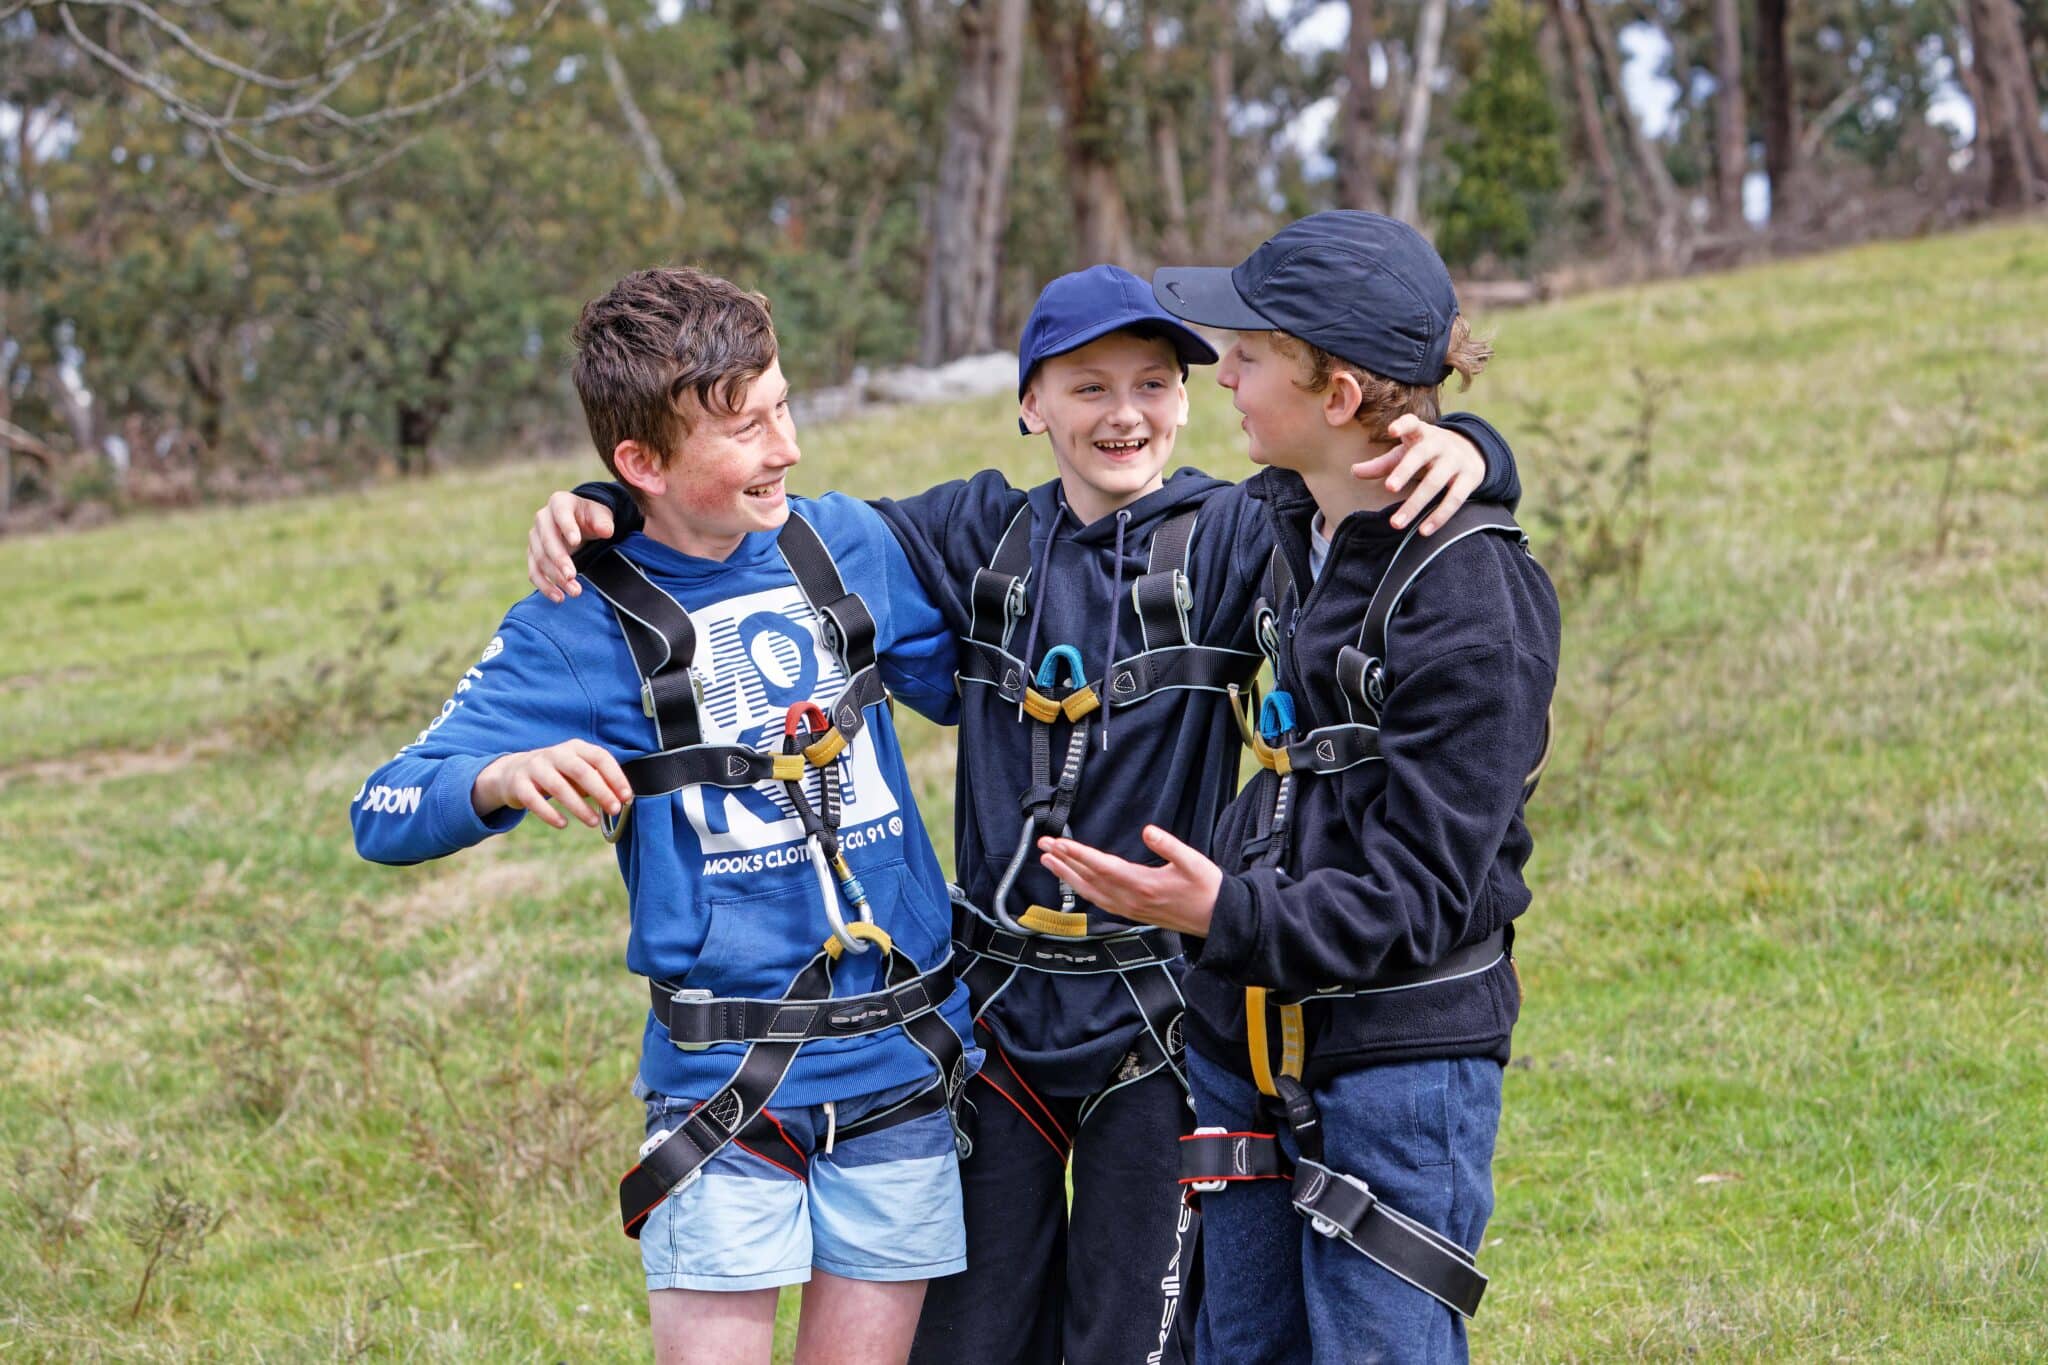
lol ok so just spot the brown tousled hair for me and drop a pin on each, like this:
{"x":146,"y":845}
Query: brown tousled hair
{"x":657,"y":335}
{"x":1386,"y":399}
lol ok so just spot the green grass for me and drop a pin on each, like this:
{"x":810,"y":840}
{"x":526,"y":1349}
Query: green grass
{"x":1790,"y":876}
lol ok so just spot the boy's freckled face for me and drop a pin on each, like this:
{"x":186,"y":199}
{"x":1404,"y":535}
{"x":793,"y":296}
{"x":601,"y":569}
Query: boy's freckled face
{"x":1282,"y":421}
{"x":727,"y":477}
{"x":1112,"y":409}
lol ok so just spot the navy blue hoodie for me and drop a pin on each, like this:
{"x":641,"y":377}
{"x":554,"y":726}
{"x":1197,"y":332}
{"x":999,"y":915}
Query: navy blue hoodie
{"x":1171,"y":761}
{"x":1391,"y":865}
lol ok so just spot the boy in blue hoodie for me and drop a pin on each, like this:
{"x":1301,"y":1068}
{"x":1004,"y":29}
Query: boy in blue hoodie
{"x":1352,"y":995}
{"x":1102,"y":617}
{"x":717,"y":705}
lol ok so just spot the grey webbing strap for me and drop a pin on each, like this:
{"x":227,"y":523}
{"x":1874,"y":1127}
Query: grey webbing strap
{"x":1274,"y":588}
{"x":849,"y":626}
{"x":1344,"y":1207}
{"x":696,"y":1021}
{"x":1360,"y":670}
{"x":662,"y":640}
{"x":1094,"y":956}
{"x":996,"y":596}
{"x":1333,"y":748}
{"x":1161,"y":594}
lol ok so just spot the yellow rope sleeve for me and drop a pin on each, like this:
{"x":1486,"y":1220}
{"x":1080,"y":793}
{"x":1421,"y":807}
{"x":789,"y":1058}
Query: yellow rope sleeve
{"x":1042,"y":920}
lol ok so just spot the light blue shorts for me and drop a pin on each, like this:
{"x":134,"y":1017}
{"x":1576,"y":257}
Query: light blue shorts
{"x":878,"y":1206}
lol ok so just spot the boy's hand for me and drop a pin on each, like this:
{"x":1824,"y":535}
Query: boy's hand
{"x":559,"y":530}
{"x":1448,"y":462}
{"x":567,"y":772}
{"x":1180,"y":896}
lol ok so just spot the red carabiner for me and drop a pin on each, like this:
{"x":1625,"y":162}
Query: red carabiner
{"x":803,"y":711}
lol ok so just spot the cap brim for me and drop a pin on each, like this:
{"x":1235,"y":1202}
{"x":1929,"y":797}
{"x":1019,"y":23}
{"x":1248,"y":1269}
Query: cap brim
{"x":1206,"y":294}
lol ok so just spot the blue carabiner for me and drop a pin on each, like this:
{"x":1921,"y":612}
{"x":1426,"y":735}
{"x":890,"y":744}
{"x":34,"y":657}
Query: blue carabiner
{"x":1075,"y":677}
{"x":1276,"y":716}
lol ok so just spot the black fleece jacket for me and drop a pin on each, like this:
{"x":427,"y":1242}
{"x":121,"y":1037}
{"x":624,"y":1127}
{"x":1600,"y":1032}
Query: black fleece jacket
{"x":1391,"y":865}
{"x":1170,"y":761}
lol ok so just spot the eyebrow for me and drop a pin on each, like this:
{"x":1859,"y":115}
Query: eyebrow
{"x":1090,"y":372}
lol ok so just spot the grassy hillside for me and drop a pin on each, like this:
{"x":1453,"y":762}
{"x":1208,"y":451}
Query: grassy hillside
{"x":1782,"y":1077}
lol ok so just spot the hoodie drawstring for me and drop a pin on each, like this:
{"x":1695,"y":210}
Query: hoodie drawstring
{"x":1036,"y":585}
{"x":1116,"y":603}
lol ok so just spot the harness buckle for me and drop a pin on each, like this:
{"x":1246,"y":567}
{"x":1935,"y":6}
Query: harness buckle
{"x":1329,"y":1229}
{"x":685,"y":995}
{"x":1209,"y":1186}
{"x":660,"y":1136}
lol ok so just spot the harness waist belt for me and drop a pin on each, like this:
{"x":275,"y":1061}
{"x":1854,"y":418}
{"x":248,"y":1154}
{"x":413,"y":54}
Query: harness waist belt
{"x":1077,"y":956}
{"x":1470,"y":960}
{"x":698,"y":1021}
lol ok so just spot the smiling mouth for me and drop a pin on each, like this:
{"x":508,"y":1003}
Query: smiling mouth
{"x":773,"y":488}
{"x":1116,"y":449}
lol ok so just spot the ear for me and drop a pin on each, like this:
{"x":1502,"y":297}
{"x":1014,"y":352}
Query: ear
{"x":1342,"y":399}
{"x":1034,"y":420}
{"x":1183,"y":419}
{"x":639,"y":467}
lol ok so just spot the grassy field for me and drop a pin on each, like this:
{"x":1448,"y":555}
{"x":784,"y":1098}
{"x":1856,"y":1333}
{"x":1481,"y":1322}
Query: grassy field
{"x":1782,"y":1079}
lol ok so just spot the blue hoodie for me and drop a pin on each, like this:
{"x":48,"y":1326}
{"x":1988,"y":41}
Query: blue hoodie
{"x":719,"y":889}
{"x":1173,"y":761}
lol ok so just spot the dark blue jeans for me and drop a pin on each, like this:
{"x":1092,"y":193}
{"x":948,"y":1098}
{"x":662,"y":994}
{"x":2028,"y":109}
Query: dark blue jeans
{"x":1421,"y":1134}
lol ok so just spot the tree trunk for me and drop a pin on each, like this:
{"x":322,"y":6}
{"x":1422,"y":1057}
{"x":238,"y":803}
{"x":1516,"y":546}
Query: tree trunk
{"x":2009,"y":112}
{"x":1429,"y":40}
{"x":1648,"y":161}
{"x":1165,"y":139}
{"x":1072,"y":48}
{"x":970,"y":208}
{"x":637,"y":126}
{"x":1222,"y":90}
{"x":1731,"y":121}
{"x":1781,"y":111}
{"x":1358,"y":117}
{"x":1592,"y":128}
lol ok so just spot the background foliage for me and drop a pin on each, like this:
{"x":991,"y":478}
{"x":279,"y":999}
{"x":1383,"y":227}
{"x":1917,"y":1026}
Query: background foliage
{"x":257,"y":246}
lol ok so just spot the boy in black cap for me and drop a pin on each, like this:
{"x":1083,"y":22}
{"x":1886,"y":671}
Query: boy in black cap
{"x":1102,"y":615}
{"x":1351,"y":992}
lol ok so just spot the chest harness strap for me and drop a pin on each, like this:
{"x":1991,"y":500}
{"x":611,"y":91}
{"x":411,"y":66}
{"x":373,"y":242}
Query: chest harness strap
{"x":1336,"y":1204}
{"x":1161,"y":597}
{"x":662,"y":640}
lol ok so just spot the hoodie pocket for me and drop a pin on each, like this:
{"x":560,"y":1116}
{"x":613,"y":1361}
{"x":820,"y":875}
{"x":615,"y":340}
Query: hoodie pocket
{"x":757,"y":943}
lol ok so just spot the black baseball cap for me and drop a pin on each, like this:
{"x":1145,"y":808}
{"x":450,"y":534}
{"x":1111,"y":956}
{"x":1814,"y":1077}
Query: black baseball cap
{"x":1364,"y":287}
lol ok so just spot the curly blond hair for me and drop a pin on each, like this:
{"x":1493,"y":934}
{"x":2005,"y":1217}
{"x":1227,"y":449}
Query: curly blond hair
{"x":1386,"y":399}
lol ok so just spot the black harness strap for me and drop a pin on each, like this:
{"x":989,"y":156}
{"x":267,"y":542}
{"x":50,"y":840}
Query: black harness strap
{"x":1161,"y":596}
{"x":663,"y":642}
{"x":696,"y":1020}
{"x":910,"y":1001}
{"x":680,"y":1157}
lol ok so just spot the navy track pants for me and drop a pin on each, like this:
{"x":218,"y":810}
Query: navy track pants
{"x":1111,"y":1282}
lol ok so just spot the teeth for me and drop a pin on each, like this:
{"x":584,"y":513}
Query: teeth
{"x":1118,"y":445}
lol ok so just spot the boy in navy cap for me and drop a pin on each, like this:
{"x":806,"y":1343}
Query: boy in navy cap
{"x":1352,"y":995}
{"x":1102,"y":616}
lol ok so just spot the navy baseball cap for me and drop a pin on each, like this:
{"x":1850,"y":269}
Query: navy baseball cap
{"x":1366,"y":288}
{"x":1076,"y":309}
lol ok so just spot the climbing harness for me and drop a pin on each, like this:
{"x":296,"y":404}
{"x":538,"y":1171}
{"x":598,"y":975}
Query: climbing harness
{"x":998,"y":942}
{"x":1337,"y":1204}
{"x":1161,"y":596}
{"x":662,"y":640}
